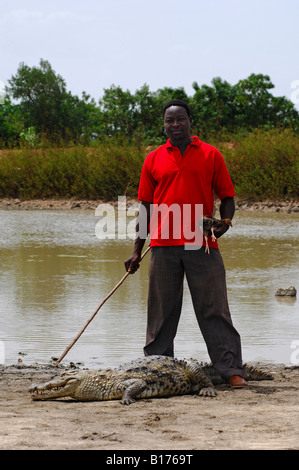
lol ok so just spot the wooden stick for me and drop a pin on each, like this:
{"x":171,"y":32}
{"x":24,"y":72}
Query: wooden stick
{"x":94,"y":314}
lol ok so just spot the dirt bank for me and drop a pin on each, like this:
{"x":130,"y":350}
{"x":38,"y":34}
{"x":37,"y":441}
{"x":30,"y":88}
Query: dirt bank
{"x":263,"y":416}
{"x":74,"y":204}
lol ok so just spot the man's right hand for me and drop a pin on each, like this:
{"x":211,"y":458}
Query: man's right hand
{"x":142,"y":226}
{"x":132,"y":263}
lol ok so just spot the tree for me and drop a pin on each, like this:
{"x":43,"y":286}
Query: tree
{"x":256,"y":107}
{"x":213,"y":107}
{"x":11,"y":123}
{"x":50,"y":109}
{"x":249,"y":104}
{"x":83,"y":118}
{"x":145,"y":118}
{"x":117,"y":111}
{"x":45,"y":108}
{"x":43,"y":98}
{"x":137,"y":115}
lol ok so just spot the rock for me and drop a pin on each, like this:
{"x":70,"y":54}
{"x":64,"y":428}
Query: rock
{"x":288,"y":291}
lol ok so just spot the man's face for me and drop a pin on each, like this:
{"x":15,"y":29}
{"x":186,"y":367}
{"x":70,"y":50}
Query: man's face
{"x":177,"y":124}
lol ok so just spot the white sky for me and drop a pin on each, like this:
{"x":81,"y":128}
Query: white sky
{"x":93,"y":44}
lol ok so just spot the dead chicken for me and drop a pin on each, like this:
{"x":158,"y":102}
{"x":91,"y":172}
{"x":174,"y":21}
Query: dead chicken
{"x":209,"y":224}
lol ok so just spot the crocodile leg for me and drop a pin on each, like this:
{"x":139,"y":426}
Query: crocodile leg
{"x":134,"y":388}
{"x":201,"y":380}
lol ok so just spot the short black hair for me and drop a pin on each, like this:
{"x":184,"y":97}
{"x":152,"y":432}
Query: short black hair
{"x":177,"y":103}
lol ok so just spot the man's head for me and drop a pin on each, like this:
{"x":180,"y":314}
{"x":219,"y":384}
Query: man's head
{"x":177,"y":120}
{"x":177,"y":103}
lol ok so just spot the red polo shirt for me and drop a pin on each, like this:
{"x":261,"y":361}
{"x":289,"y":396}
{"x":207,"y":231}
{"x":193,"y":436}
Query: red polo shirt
{"x":177,"y":183}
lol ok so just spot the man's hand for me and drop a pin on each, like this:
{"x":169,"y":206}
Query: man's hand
{"x":220,"y":228}
{"x":142,"y":226}
{"x":132,"y":263}
{"x":227,"y":210}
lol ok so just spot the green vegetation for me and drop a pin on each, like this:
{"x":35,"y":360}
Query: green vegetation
{"x":46,"y":113}
{"x":265,"y":165}
{"x":54,"y":144}
{"x":103,"y":172}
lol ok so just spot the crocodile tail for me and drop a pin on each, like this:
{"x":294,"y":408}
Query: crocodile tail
{"x":250,"y":373}
{"x":254,"y":373}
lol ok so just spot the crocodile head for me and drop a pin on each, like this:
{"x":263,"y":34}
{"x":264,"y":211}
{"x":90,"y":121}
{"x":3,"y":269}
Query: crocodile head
{"x":62,"y":386}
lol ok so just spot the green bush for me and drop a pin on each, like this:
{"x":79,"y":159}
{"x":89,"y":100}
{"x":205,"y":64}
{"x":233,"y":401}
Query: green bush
{"x":264,"y":164}
{"x":102,"y":172}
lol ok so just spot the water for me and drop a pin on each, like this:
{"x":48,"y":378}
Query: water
{"x":55,"y":273}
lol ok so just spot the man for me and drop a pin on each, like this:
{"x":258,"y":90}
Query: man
{"x":186,"y":172}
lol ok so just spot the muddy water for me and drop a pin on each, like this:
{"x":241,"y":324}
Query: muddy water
{"x":55,"y":272}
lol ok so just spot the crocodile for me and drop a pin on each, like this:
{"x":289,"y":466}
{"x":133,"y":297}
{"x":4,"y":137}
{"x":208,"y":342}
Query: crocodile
{"x":146,"y":377}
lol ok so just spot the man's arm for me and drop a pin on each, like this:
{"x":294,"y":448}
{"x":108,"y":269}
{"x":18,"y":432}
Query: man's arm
{"x":142,"y":230}
{"x":227,"y":211}
{"x":227,"y":208}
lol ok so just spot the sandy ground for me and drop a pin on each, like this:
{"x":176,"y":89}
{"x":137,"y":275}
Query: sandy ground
{"x":264,"y":416}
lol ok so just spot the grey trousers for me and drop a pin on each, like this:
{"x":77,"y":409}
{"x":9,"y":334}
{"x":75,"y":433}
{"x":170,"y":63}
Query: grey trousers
{"x":205,"y":275}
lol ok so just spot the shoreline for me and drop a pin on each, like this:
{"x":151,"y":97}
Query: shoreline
{"x":264,"y":416}
{"x":244,"y":205}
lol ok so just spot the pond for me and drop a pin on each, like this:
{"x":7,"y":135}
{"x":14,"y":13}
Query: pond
{"x":55,"y":272}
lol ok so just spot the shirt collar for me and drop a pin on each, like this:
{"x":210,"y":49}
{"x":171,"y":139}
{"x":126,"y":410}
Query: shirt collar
{"x":195,"y":142}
